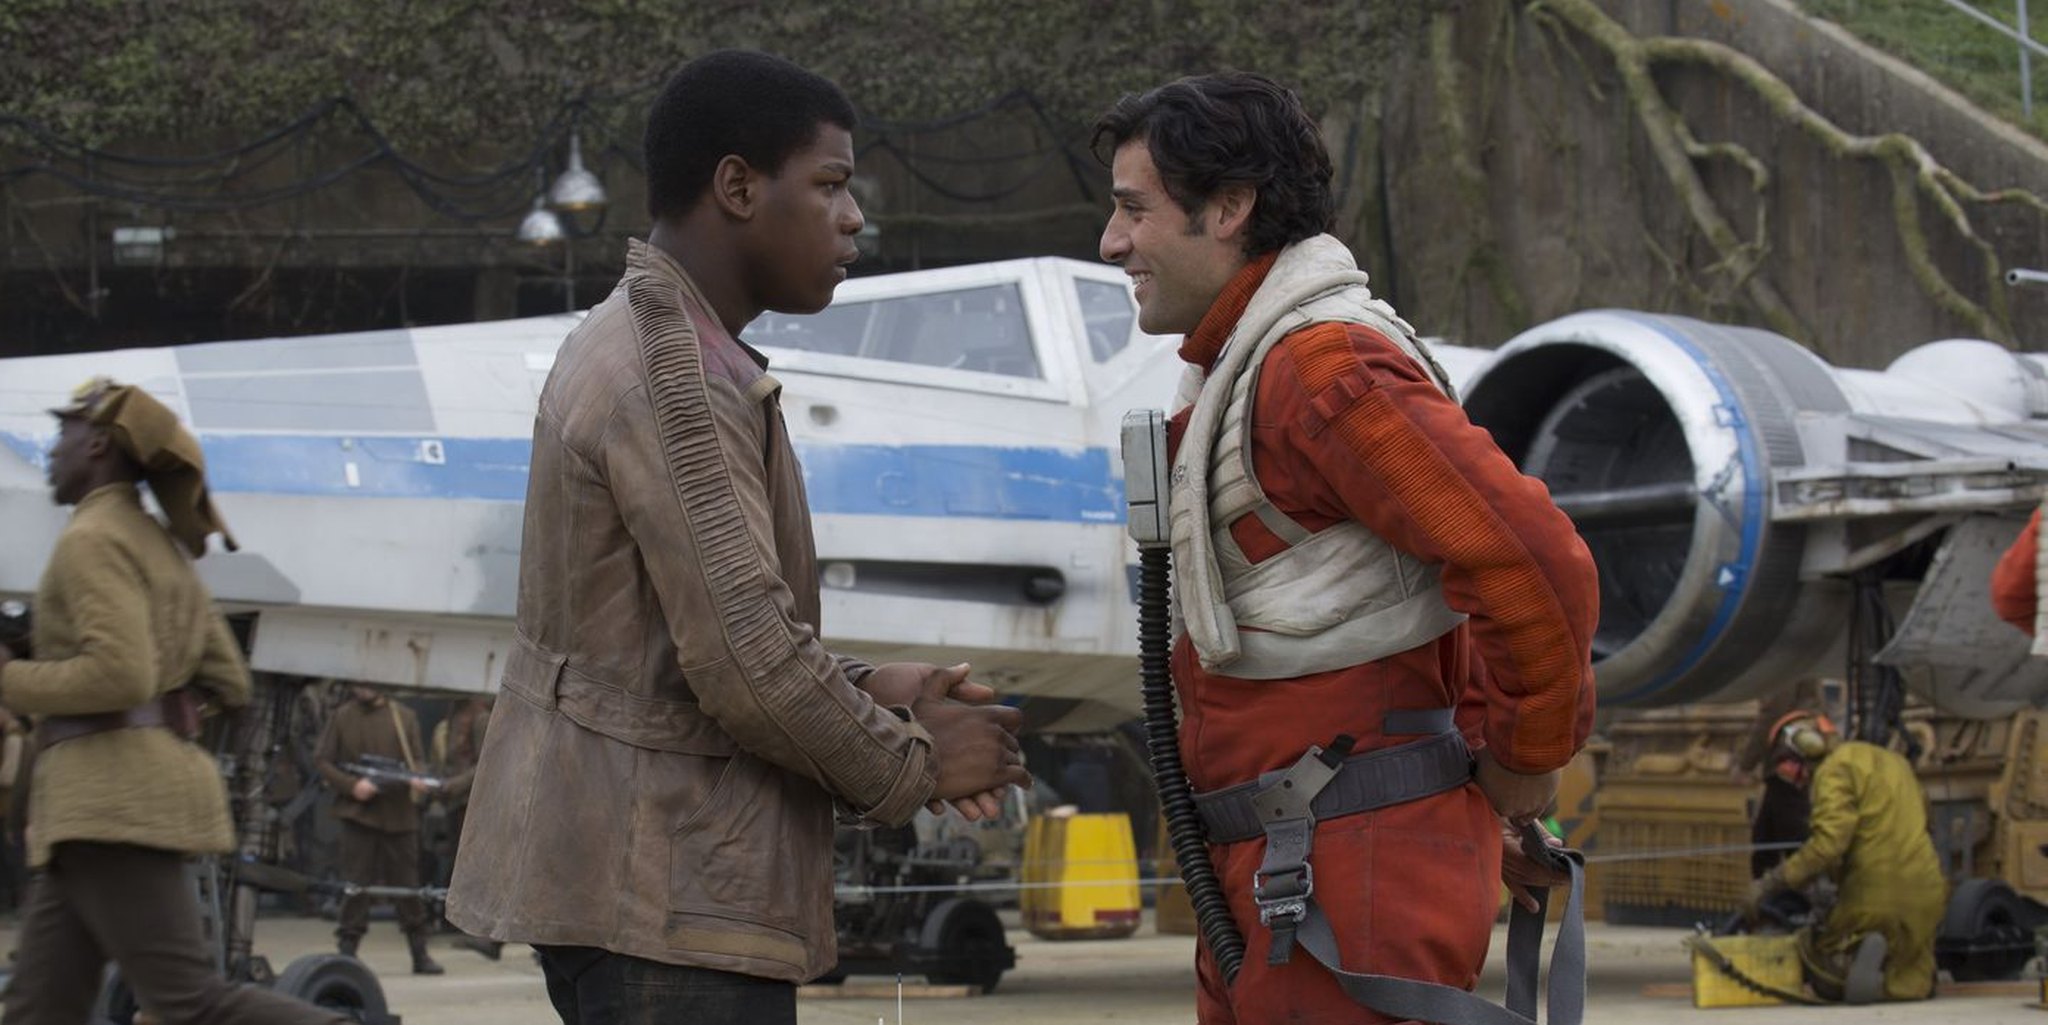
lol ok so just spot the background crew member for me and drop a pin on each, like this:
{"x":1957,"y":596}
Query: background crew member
{"x":1869,"y":832}
{"x":380,"y":826}
{"x":127,"y":648}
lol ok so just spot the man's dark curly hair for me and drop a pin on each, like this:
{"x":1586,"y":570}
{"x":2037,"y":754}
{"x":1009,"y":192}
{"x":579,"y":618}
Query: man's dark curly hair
{"x":1231,"y":128}
{"x":732,"y":102}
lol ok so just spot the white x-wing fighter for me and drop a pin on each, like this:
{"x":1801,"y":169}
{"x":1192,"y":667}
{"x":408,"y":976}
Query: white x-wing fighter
{"x":958,"y":430}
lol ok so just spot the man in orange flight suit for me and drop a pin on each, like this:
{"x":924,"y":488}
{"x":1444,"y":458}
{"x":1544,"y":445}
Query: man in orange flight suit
{"x":2014,"y":588}
{"x":1461,"y":585}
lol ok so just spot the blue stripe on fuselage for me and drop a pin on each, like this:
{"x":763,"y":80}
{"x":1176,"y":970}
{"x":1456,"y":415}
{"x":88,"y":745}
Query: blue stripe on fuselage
{"x":29,"y":448}
{"x":980,"y":481}
{"x":962,"y":480}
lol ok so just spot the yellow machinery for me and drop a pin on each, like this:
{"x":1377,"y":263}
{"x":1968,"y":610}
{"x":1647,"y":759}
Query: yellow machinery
{"x":1668,"y":785}
{"x":1578,"y":821}
{"x":1771,"y":961}
{"x":1081,"y":877}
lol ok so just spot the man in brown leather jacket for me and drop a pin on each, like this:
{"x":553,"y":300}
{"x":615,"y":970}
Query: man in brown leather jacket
{"x":655,"y":803}
{"x":380,"y":824}
{"x":126,"y":643}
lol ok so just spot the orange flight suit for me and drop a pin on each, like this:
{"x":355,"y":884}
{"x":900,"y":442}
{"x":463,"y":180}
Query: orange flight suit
{"x":1347,"y":426}
{"x":2013,"y":594}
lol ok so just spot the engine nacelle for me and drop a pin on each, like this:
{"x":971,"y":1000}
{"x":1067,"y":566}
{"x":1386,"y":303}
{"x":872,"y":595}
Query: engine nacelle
{"x":1729,"y":482}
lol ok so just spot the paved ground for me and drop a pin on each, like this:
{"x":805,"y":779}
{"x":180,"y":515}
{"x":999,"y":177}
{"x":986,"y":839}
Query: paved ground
{"x":1639,"y":976}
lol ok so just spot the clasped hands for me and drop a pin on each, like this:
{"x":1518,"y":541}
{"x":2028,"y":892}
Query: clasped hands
{"x":974,"y":739}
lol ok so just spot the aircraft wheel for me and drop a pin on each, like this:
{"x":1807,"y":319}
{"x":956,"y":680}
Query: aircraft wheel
{"x":336,"y":982}
{"x":1984,"y":934}
{"x":971,"y":935}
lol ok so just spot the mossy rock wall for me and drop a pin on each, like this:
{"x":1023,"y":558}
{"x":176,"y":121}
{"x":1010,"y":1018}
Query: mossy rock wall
{"x":1521,"y":184}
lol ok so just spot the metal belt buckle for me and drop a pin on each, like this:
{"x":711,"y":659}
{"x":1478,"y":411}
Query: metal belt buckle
{"x":1291,"y":906}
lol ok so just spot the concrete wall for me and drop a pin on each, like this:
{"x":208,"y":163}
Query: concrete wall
{"x":1577,"y":214}
{"x":1538,"y":198}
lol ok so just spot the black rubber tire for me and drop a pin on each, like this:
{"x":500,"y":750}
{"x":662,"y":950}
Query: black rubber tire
{"x":1977,"y":908}
{"x":336,"y":982}
{"x":970,"y":932}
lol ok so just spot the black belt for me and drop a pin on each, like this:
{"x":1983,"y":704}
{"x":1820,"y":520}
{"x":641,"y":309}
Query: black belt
{"x":1376,"y":779}
{"x":177,"y":711}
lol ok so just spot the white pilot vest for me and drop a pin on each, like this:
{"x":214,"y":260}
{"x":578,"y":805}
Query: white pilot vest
{"x":1336,"y":597}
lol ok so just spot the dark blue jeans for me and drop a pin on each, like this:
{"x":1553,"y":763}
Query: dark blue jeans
{"x":589,"y":986}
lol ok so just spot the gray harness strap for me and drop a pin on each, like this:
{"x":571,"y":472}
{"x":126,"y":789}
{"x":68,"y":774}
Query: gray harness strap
{"x":1419,"y":721}
{"x":1284,"y":882}
{"x":1362,"y":782}
{"x":1434,"y":1002}
{"x":1323,"y":784}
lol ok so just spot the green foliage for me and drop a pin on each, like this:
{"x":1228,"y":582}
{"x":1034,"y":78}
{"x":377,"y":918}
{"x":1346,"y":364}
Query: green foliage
{"x":443,"y":74}
{"x":1960,"y":52}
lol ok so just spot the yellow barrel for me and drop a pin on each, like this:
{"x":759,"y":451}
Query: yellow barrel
{"x":1173,"y":914}
{"x":1081,"y":876}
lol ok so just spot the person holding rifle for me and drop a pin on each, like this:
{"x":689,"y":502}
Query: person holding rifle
{"x":380,"y":824}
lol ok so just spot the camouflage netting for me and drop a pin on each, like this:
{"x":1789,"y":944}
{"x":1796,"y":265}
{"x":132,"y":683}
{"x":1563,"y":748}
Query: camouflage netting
{"x":102,"y":71}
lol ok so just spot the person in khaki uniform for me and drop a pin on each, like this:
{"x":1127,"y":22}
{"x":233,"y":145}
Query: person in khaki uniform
{"x":1870,"y":835}
{"x":13,"y":748}
{"x":127,"y":646}
{"x":458,"y":742}
{"x":380,"y":827}
{"x":654,"y":808}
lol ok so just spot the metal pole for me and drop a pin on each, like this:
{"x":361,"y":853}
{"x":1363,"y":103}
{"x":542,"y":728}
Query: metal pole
{"x":569,"y":274}
{"x":92,"y":249}
{"x":2026,"y":42}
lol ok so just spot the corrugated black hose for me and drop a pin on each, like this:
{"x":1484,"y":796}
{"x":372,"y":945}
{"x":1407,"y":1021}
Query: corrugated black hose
{"x":1162,"y":729}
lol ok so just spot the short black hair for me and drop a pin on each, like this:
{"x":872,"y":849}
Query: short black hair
{"x":1231,"y":128}
{"x":732,"y":102}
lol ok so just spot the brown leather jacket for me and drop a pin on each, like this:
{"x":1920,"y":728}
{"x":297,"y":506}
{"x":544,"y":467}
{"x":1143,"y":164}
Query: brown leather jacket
{"x":659,"y":773}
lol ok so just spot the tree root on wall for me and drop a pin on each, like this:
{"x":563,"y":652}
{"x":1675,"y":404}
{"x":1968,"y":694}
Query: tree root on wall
{"x":1467,"y":177}
{"x":1916,"y":175}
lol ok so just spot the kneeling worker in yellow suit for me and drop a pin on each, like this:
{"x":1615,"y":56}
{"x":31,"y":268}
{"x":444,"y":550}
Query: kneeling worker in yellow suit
{"x":1870,"y":834}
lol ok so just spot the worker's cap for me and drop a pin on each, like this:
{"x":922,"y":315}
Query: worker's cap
{"x":149,"y":433}
{"x":144,"y":428}
{"x":87,"y":399}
